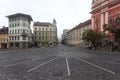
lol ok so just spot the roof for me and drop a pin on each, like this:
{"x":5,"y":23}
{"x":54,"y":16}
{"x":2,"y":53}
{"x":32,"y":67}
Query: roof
{"x":20,"y":14}
{"x":41,"y":24}
{"x":84,"y":23}
{"x":81,"y":25}
{"x":4,"y":30}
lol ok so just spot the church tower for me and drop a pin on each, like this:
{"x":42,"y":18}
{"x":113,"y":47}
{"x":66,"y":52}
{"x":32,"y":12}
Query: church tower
{"x":54,"y":22}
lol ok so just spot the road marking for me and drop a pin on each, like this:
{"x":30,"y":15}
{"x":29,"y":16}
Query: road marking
{"x":20,"y":63}
{"x":68,"y":68}
{"x":40,"y":65}
{"x":104,"y":69}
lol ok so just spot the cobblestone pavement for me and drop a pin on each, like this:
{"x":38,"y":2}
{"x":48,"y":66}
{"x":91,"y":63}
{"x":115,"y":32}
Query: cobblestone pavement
{"x":59,"y":63}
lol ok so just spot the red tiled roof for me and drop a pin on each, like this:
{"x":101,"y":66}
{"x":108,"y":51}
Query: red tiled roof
{"x":4,"y":30}
{"x":84,"y":23}
{"x":81,"y":25}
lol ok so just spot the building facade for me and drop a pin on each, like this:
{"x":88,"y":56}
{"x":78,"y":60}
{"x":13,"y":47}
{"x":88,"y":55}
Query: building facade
{"x":20,"y":34}
{"x":4,"y":37}
{"x":105,"y":12}
{"x":75,"y":34}
{"x":45,"y":34}
{"x":65,"y":36}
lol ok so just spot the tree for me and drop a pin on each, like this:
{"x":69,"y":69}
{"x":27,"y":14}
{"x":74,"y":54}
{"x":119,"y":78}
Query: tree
{"x":115,"y":34}
{"x":92,"y":36}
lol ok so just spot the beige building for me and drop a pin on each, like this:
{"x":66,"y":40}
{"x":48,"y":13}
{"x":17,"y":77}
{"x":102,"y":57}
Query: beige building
{"x":75,"y":34}
{"x":4,"y":37}
{"x":45,"y":34}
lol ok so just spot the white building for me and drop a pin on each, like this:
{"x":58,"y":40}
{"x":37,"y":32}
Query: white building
{"x":20,"y":35}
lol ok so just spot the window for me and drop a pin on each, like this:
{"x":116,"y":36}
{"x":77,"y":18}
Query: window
{"x":35,"y":28}
{"x":18,"y":37}
{"x":39,"y":38}
{"x":24,"y":38}
{"x":9,"y":25}
{"x":12,"y":25}
{"x":42,"y":38}
{"x":12,"y":31}
{"x":24,"y":31}
{"x":10,"y":38}
{"x":18,"y":24}
{"x":42,"y":29}
{"x":42,"y":33}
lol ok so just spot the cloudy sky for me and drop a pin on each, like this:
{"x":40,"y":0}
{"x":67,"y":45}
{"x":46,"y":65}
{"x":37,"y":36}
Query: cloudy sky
{"x":67,"y":13}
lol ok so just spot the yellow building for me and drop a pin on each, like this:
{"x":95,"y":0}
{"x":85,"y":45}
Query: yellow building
{"x":4,"y":37}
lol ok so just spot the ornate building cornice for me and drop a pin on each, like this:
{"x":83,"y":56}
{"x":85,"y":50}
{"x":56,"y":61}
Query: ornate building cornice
{"x":100,"y":6}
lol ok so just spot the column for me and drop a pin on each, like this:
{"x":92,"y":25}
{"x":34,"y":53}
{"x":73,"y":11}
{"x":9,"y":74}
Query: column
{"x":102,"y":21}
{"x":106,"y":17}
{"x":92,"y":26}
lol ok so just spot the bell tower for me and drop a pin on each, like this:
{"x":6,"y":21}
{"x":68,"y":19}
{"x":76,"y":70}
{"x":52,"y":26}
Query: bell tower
{"x":54,"y":22}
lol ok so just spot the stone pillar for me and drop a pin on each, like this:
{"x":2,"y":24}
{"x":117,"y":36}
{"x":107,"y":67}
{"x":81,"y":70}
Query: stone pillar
{"x":92,"y":23}
{"x":106,"y":17}
{"x":102,"y":21}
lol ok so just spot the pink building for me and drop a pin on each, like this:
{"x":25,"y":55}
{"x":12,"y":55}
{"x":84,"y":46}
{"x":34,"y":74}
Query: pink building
{"x":105,"y":12}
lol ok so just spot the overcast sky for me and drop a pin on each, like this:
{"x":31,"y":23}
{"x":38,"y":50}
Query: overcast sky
{"x":68,"y":13}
